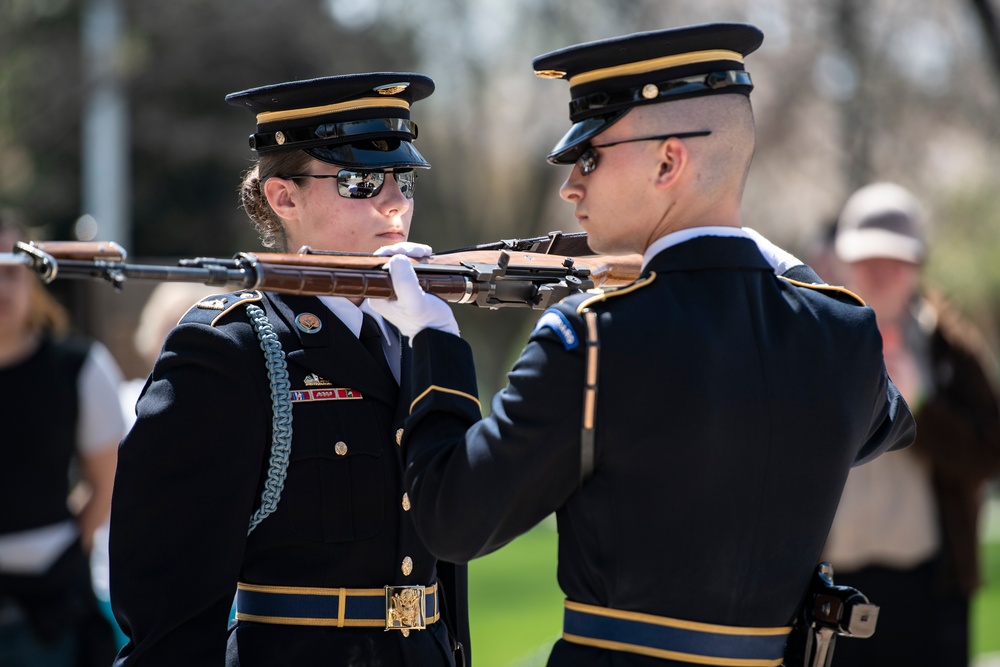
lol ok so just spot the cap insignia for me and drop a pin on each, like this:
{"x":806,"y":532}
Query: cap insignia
{"x":391,"y":88}
{"x":549,"y":73}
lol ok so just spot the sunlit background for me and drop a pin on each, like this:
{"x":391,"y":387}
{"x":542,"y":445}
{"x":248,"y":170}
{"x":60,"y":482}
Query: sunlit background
{"x":113,"y":126}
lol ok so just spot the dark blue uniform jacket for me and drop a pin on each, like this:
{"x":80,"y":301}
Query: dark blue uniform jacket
{"x":191,"y":473}
{"x":731,"y":404}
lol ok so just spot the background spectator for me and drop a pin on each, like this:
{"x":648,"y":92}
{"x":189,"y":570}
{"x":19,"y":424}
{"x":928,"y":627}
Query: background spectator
{"x":61,"y":421}
{"x":906,"y":529}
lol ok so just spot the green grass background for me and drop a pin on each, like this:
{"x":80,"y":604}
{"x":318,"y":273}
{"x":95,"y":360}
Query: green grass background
{"x":516,"y":605}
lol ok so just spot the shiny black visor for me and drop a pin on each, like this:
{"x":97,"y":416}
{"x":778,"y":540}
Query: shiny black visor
{"x":377,"y":153}
{"x":574,"y":142}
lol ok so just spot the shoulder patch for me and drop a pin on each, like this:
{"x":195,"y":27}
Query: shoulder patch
{"x":835,"y":291}
{"x":559,"y":324}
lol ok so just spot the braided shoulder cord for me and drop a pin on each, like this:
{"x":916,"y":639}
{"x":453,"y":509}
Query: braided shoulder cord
{"x":281,"y":415}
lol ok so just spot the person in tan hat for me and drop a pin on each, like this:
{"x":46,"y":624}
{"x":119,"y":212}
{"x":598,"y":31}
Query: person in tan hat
{"x":690,"y":431}
{"x":906,"y":529}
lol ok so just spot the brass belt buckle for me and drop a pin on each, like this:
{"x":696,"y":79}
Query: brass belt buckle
{"x":404,"y":608}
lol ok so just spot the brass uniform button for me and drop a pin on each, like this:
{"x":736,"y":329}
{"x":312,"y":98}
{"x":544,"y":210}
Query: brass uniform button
{"x":399,"y":436}
{"x":406,"y":502}
{"x":340,"y":448}
{"x":407,"y":566}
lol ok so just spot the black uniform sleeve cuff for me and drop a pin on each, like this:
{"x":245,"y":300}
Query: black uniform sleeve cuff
{"x":444,"y":376}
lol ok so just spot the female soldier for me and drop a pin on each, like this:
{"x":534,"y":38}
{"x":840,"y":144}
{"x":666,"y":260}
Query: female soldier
{"x":264,"y":456}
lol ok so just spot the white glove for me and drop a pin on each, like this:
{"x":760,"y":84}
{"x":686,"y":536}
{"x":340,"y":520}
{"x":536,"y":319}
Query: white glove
{"x":413,"y":309}
{"x":408,"y":248}
{"x":780,"y":260}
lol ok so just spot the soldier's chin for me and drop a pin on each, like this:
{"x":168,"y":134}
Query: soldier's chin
{"x":604,"y":245}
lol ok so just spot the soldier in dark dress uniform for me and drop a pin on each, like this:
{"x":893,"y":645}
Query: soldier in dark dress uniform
{"x":265,"y":455}
{"x":692,"y":431}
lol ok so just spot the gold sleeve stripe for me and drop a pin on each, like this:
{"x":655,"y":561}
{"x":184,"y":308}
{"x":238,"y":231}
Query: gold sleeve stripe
{"x":445,"y":390}
{"x":827,"y":288}
{"x":618,"y":292}
{"x":676,"y":622}
{"x":655,"y":64}
{"x":308,"y":112}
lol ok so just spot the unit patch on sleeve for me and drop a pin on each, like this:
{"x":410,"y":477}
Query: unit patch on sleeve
{"x":559,"y":324}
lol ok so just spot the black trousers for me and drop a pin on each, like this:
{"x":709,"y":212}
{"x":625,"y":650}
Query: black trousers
{"x":917,"y":625}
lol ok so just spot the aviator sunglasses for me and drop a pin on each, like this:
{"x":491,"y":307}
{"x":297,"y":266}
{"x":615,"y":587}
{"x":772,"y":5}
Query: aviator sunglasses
{"x":587,"y":162}
{"x":367,"y":184}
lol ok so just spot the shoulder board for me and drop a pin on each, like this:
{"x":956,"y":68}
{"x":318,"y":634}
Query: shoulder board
{"x":835,"y":291}
{"x":212,"y":309}
{"x":621,"y":291}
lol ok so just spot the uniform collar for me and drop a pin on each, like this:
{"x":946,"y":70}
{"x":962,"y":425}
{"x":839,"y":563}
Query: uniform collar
{"x":351,"y":315}
{"x":674,"y":238}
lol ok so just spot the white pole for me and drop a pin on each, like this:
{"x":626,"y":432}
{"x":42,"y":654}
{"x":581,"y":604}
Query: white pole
{"x":105,"y":141}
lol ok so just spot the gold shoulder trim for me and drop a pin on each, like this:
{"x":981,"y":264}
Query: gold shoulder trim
{"x":618,"y":292}
{"x":826,"y":288}
{"x":445,"y":390}
{"x":241,"y":298}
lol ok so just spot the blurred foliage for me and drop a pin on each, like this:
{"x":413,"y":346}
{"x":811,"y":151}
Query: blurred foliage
{"x":846,"y":92}
{"x":965,"y":258}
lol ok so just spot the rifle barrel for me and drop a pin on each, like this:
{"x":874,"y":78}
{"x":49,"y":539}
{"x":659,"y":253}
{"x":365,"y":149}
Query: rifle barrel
{"x":371,"y":283}
{"x":486,"y":278}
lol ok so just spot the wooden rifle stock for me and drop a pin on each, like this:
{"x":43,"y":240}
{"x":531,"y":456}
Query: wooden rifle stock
{"x":486,"y":278}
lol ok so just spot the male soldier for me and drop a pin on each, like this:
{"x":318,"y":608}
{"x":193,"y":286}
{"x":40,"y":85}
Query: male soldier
{"x":693,"y":430}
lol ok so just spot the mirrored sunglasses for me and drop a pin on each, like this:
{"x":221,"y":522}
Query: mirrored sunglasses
{"x":587,"y":162}
{"x":367,"y":184}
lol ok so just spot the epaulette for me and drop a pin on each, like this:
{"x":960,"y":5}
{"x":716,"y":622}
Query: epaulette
{"x":837,"y":292}
{"x":594,"y":299}
{"x":212,"y":309}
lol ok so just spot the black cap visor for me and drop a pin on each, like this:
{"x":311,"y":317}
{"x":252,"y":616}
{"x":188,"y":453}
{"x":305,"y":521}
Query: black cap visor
{"x":371,"y":154}
{"x":574,"y":142}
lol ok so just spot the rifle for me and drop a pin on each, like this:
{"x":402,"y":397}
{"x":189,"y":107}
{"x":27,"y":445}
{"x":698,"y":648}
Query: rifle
{"x":828,"y":612}
{"x":491,"y":276}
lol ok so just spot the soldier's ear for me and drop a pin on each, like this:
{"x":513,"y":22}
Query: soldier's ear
{"x":673,"y":158}
{"x":282,"y":194}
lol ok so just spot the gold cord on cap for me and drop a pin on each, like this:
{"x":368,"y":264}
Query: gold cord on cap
{"x":309,"y":112}
{"x":644,"y":66}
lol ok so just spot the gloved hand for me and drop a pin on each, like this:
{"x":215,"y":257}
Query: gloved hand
{"x":780,"y":260}
{"x":408,"y":248}
{"x":413,"y":309}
